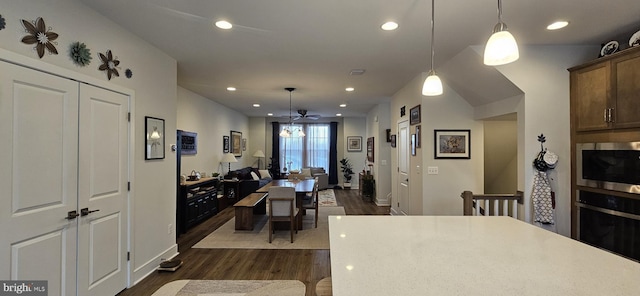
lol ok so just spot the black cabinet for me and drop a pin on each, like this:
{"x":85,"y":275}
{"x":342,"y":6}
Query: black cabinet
{"x":197,"y":201}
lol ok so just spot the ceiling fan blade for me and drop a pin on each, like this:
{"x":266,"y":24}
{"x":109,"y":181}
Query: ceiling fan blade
{"x":313,"y":117}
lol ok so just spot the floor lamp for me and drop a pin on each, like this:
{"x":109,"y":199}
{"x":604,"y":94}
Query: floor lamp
{"x":259,"y":154}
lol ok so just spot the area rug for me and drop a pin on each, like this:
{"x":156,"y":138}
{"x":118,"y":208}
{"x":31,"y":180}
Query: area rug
{"x":327,"y":198}
{"x":226,"y":237}
{"x":228,"y":287}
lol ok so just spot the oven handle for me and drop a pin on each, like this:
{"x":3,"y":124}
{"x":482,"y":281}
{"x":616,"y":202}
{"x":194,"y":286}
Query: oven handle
{"x":608,"y":211}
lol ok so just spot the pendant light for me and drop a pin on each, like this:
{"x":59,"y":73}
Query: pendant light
{"x":291,"y":131}
{"x":432,"y":85}
{"x":502,"y":47}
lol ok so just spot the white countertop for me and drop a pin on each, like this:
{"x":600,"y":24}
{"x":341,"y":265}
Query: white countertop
{"x":468,"y":255}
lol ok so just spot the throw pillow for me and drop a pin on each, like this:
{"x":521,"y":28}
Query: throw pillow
{"x":306,"y":173}
{"x":255,"y":176}
{"x":264,"y":174}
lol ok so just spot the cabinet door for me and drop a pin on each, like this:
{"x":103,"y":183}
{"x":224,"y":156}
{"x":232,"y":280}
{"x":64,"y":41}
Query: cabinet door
{"x":590,"y":93}
{"x":626,"y":86}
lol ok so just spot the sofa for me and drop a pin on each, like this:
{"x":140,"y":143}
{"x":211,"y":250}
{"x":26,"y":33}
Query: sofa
{"x":248,"y":184}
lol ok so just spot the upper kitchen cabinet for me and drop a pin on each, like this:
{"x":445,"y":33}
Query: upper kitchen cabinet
{"x":605,"y":94}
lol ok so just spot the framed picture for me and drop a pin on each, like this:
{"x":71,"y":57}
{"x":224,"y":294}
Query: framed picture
{"x":370,"y":149}
{"x":418,"y":137}
{"x":354,"y":144}
{"x":236,"y":143}
{"x":414,"y":115}
{"x":188,"y":143}
{"x":393,"y":141}
{"x":388,"y":135}
{"x":452,"y":144}
{"x":154,"y":141}
{"x":244,"y":144}
{"x":225,"y":144}
{"x":413,"y":144}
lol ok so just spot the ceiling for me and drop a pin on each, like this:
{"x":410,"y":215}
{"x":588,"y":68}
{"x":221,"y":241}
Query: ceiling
{"x":313,"y":45}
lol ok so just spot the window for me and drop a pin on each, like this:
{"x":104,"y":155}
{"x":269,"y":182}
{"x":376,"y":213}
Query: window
{"x":309,"y":151}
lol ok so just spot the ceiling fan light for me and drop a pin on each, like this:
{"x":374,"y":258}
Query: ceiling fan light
{"x":432,"y":85}
{"x":301,"y":133}
{"x":285,"y":133}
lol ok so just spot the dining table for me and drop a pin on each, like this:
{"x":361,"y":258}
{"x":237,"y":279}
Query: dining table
{"x":302,"y":187}
{"x":468,"y":255}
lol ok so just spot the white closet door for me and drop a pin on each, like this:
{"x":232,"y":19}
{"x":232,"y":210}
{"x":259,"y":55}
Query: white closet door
{"x":38,"y":177}
{"x":102,"y":244}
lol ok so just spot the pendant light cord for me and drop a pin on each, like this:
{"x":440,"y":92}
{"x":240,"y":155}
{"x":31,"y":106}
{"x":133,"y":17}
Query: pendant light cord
{"x":499,"y":11}
{"x":432,"y":33}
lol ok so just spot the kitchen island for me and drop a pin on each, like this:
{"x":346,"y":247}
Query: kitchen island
{"x":468,"y":255}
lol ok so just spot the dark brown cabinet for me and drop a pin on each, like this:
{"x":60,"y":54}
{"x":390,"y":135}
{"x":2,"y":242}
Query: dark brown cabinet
{"x":197,"y":201}
{"x":605,"y":94}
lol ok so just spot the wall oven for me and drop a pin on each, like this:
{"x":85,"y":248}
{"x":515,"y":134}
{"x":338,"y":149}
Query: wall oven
{"x":607,"y":218}
{"x":612,"y":166}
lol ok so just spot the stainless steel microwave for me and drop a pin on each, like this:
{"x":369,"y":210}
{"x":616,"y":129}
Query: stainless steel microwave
{"x":612,"y":166}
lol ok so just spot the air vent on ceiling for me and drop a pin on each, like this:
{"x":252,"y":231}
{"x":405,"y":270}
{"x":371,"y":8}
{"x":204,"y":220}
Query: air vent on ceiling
{"x":357,"y":72}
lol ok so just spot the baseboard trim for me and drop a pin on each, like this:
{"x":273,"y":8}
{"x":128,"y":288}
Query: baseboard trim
{"x":150,"y":266}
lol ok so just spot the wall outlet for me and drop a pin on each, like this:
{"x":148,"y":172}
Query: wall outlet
{"x":170,"y":228}
{"x":432,"y":170}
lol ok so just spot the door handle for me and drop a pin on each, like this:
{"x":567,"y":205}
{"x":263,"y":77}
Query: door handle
{"x":71,"y":215}
{"x":85,"y":211}
{"x":407,"y":180}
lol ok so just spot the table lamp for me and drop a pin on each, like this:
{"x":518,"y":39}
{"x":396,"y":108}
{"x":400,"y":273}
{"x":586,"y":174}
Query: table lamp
{"x":229,"y":157}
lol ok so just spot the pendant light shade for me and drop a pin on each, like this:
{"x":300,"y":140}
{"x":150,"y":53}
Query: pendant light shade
{"x":432,"y":85}
{"x":502,"y":47}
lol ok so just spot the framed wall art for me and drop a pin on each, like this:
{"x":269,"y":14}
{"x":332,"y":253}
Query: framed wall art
{"x":418,"y":137}
{"x":452,"y":144}
{"x":225,"y":144}
{"x":354,"y":144}
{"x":370,"y":149}
{"x":414,"y":115}
{"x":236,"y":143}
{"x":154,"y":141}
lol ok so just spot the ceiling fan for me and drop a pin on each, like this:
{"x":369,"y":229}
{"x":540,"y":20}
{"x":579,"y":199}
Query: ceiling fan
{"x":302,"y":114}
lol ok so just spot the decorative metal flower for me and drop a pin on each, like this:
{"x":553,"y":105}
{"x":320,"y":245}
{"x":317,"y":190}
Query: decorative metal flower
{"x":128,"y":73}
{"x":109,"y":64}
{"x":80,"y":54}
{"x":41,"y":36}
{"x":3,"y":23}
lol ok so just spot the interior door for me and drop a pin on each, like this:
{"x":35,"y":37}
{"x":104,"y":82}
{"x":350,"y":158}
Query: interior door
{"x":38,"y":177}
{"x":102,"y":203}
{"x":403,"y":167}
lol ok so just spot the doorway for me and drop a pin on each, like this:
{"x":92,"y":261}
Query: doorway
{"x":501,"y":154}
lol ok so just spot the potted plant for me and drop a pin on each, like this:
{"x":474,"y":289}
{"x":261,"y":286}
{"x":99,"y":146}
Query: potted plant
{"x":347,"y":171}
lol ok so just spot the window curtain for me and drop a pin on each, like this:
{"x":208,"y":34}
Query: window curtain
{"x":275,"y":149}
{"x":333,"y":153}
{"x":311,"y":150}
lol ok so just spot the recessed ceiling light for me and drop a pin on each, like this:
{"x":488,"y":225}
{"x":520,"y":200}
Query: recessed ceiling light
{"x":256,"y":105}
{"x":231,"y":88}
{"x":389,"y":26}
{"x":338,"y":114}
{"x":224,"y":25}
{"x":349,"y":89}
{"x":269,"y":114}
{"x":343,"y":105}
{"x":557,"y":25}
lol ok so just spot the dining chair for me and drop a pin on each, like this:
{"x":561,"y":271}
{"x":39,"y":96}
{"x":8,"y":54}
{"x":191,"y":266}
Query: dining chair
{"x":310,"y":202}
{"x":282,"y":208}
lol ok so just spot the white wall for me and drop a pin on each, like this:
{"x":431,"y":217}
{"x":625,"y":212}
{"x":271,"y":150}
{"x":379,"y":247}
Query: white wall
{"x":154,"y":86}
{"x":378,"y":121}
{"x":353,"y":126}
{"x":211,"y":121}
{"x":541,"y":73}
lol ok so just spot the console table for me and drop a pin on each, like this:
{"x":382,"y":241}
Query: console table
{"x":197,"y":201}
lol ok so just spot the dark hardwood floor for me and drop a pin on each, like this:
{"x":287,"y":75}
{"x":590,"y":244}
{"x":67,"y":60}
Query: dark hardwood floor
{"x":307,"y":266}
